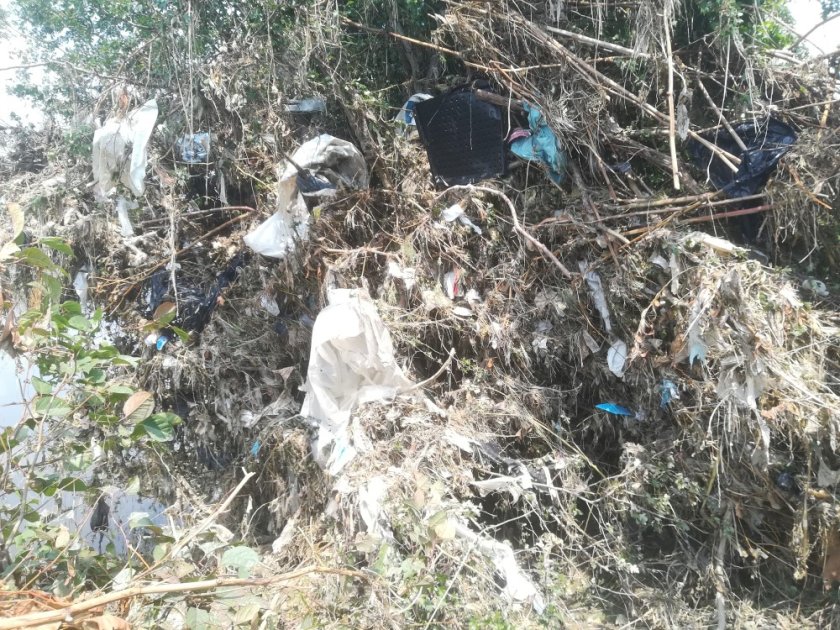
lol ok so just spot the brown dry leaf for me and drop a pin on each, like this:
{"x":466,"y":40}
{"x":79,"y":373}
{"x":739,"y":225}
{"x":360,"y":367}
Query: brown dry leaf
{"x":831,"y":564}
{"x":139,"y":406}
{"x":105,"y":622}
{"x":164,"y":309}
{"x":9,"y":326}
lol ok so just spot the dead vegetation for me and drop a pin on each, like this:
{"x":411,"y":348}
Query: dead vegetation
{"x":497,"y":494}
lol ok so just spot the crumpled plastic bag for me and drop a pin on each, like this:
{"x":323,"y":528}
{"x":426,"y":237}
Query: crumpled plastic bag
{"x":331,"y":163}
{"x":120,"y":151}
{"x":351,"y":362}
{"x":541,"y":146}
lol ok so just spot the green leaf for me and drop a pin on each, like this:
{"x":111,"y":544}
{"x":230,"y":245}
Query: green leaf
{"x":36,"y":257}
{"x":241,"y":558}
{"x":118,"y":389}
{"x":161,"y":426}
{"x":183,"y":335}
{"x":71,"y":307}
{"x":51,"y":407}
{"x":72,"y":484}
{"x":198,"y":619}
{"x":59,"y":245}
{"x":79,"y":322}
{"x":41,"y":386}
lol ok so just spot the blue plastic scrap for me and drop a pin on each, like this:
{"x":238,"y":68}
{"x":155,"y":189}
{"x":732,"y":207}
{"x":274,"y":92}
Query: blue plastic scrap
{"x":541,"y":146}
{"x":614,"y":409}
{"x":255,"y":448}
{"x":195,"y":148}
{"x":668,"y":392}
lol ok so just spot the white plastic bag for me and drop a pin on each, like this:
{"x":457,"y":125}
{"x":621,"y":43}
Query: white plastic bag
{"x":111,"y":146}
{"x":351,"y":362}
{"x":333,"y":160}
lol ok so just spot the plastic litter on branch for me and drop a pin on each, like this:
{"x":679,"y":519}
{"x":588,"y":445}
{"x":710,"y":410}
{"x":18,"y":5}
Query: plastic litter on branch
{"x":540,"y":145}
{"x":351,"y":362}
{"x":195,"y":148}
{"x":317,"y":169}
{"x":766,"y":144}
{"x":306,"y":106}
{"x":119,"y":151}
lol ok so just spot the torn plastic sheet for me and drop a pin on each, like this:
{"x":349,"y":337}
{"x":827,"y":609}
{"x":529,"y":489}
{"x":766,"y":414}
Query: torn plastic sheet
{"x":614,"y":409}
{"x":766,"y":143}
{"x":541,"y":145}
{"x":329,"y":163}
{"x":463,"y":136}
{"x":306,"y":106}
{"x":506,"y":483}
{"x":617,"y":357}
{"x":371,"y":496}
{"x":123,"y":206}
{"x":351,"y":362}
{"x":194,"y":148}
{"x":596,"y":291}
{"x":119,"y":151}
{"x":518,"y":586}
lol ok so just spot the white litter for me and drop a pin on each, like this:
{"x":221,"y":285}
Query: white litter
{"x":269,"y":304}
{"x":333,"y":160}
{"x":518,"y":586}
{"x":351,"y":362}
{"x":617,"y":357}
{"x":80,"y":284}
{"x":596,"y":291}
{"x":407,"y":274}
{"x":456,"y":212}
{"x":119,"y":151}
{"x":370,"y":506}
{"x":123,"y":206}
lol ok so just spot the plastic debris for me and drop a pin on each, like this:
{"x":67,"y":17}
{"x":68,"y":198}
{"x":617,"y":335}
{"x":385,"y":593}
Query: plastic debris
{"x":817,"y":287}
{"x":329,"y":163}
{"x":518,"y":586}
{"x":80,"y":285}
{"x":351,"y":362}
{"x":766,"y":143}
{"x":406,"y":113}
{"x":113,"y":140}
{"x":668,"y":391}
{"x":451,"y":284}
{"x":615,"y":409}
{"x":541,"y":145}
{"x":787,"y":482}
{"x":195,"y":304}
{"x":505,"y":483}
{"x":162,"y":340}
{"x":596,"y":291}
{"x":306,"y":106}
{"x":617,"y":357}
{"x":255,"y":448}
{"x":123,"y":206}
{"x":194,"y":148}
{"x":463,"y":136}
{"x":456,"y":212}
{"x":406,"y":274}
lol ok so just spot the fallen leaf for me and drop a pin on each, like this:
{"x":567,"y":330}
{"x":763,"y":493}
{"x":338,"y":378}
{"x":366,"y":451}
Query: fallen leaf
{"x":139,"y":406}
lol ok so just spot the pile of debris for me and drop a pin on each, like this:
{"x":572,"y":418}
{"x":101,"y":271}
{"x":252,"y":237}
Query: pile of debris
{"x":481,"y":348}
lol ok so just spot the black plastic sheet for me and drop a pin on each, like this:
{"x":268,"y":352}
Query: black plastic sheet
{"x":766,"y":144}
{"x":463,"y":136}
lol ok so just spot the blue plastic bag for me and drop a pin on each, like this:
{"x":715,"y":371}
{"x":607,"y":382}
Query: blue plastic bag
{"x":541,"y":146}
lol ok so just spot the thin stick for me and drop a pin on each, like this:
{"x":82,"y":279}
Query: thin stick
{"x":66,"y":613}
{"x":704,"y":219}
{"x":204,"y":525}
{"x":518,"y":226}
{"x":583,"y":39}
{"x":672,"y":117}
{"x":721,"y":117}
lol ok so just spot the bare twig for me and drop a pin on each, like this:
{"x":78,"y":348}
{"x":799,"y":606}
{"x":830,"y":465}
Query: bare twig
{"x":672,"y":118}
{"x":583,"y":39}
{"x":721,"y":117}
{"x":67,"y":613}
{"x":518,"y":226}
